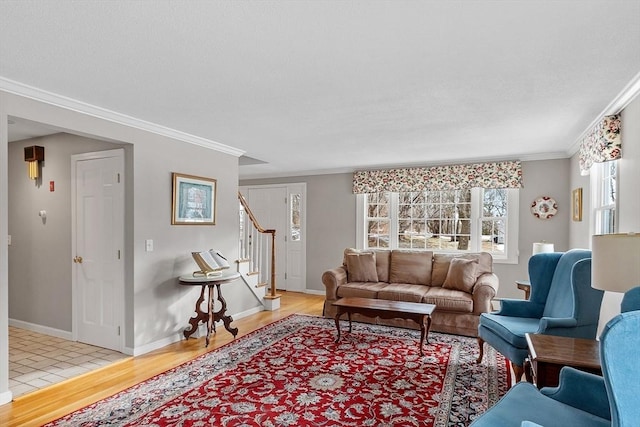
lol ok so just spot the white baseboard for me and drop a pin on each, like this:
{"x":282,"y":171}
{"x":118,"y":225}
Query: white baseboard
{"x":41,"y":329}
{"x":6,"y":397}
{"x":314,"y":292}
{"x":201,"y":332}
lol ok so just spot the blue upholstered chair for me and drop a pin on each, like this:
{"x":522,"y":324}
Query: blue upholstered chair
{"x":562,"y":302}
{"x":583,"y":399}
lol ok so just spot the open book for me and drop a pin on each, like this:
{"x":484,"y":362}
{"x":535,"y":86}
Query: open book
{"x":211,"y":262}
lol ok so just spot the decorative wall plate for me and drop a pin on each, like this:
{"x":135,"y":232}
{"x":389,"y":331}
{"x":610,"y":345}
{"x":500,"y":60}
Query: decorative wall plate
{"x":544,"y":207}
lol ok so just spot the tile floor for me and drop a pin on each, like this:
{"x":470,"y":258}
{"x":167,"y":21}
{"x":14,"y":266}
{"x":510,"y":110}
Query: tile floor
{"x":37,"y":360}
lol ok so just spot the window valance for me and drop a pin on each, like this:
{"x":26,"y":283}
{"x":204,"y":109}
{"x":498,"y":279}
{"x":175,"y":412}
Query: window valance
{"x":601,"y":144}
{"x":451,"y":177}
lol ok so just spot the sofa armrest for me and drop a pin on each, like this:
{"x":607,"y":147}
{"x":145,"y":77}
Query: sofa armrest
{"x":581,"y":390}
{"x":331,"y":279}
{"x":485,"y":289}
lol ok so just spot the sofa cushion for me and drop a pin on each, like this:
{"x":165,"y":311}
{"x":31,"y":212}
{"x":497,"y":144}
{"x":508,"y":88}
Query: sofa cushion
{"x":461,"y":275}
{"x":449,"y":300}
{"x":403,"y":292}
{"x":441,"y":265}
{"x":361,"y":267}
{"x":410,"y":267}
{"x":360,"y":289}
{"x":382,"y":261}
{"x":383,"y":258}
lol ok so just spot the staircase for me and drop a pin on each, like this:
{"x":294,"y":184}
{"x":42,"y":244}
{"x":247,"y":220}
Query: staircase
{"x":256,"y":260}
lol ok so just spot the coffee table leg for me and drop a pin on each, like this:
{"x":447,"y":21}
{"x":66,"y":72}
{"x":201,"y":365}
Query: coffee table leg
{"x":349,"y":316}
{"x":337,"y":319}
{"x":423,"y":333}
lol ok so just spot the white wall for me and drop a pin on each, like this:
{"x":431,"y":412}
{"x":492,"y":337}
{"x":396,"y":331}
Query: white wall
{"x":156,"y":307}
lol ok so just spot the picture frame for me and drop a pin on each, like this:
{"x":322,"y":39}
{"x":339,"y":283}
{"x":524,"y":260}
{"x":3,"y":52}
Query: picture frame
{"x":193,"y":200}
{"x":576,"y":204}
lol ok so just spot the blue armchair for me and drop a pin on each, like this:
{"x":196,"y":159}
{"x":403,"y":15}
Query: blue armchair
{"x":581,"y":399}
{"x":562,"y":302}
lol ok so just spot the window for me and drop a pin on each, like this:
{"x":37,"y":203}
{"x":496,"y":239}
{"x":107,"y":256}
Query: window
{"x":604,"y":196}
{"x":294,"y":216}
{"x":469,"y":220}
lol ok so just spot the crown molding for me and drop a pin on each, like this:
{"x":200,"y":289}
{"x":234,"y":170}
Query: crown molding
{"x":21,"y":89}
{"x":246,"y":175}
{"x":619,"y":103}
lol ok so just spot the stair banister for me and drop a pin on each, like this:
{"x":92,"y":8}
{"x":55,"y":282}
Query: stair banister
{"x":272,"y":289}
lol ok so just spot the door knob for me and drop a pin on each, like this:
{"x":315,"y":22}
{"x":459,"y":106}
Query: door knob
{"x":78,"y":260}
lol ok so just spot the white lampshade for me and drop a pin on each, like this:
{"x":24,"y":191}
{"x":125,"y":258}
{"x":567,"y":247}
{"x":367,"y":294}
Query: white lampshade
{"x":615,"y":262}
{"x":542,"y":247}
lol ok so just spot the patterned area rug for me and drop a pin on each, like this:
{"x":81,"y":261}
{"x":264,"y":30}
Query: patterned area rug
{"x":291,"y":373}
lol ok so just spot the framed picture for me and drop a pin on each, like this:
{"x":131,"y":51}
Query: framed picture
{"x":194,"y":200}
{"x":576,"y":204}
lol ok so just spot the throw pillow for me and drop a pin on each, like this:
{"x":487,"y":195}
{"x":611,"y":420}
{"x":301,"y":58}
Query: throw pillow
{"x":361,"y":267}
{"x":462,"y":274}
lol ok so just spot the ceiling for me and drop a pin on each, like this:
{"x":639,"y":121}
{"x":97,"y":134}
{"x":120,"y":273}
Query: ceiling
{"x":331,"y":86}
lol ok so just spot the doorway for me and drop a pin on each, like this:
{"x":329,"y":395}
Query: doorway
{"x":283,"y":207}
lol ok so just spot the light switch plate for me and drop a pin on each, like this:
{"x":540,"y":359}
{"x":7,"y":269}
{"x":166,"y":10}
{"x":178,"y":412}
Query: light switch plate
{"x":148,"y":245}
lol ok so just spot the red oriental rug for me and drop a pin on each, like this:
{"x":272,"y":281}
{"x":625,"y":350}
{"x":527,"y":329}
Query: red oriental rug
{"x":291,"y":373}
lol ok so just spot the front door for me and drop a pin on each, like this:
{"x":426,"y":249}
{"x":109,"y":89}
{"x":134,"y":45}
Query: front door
{"x":283,"y":207}
{"x":98,"y":243}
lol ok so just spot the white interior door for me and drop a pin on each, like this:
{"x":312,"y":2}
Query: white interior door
{"x":282,"y":207}
{"x":98,"y":242}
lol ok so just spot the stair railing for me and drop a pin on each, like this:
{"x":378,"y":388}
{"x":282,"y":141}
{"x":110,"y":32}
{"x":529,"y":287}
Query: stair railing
{"x":255,"y":248}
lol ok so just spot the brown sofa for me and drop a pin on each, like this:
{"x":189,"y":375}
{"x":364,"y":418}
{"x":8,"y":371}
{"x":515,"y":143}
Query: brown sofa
{"x":461,"y":286}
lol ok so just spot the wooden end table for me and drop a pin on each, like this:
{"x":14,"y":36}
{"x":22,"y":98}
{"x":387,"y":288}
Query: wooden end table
{"x":209,"y":317}
{"x":525,"y":286}
{"x":549,"y":353}
{"x":416,"y":311}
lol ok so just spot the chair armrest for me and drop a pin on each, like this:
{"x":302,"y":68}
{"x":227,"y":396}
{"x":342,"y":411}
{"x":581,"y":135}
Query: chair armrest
{"x":547,"y":324}
{"x":520,"y":308}
{"x":332,"y":279}
{"x":484,"y":290}
{"x":581,"y":390}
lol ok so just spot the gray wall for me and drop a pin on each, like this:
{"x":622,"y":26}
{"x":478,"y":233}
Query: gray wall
{"x":331,"y":219}
{"x":40,"y":251}
{"x":156,"y":307}
{"x":628,"y":197}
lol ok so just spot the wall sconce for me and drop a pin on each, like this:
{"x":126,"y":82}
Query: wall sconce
{"x":34,"y":155}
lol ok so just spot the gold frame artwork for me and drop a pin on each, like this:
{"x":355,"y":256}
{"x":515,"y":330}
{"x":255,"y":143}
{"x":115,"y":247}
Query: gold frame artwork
{"x":576,"y":204}
{"x":193,"y":200}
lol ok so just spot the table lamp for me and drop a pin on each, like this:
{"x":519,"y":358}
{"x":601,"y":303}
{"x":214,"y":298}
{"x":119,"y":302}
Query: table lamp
{"x":542,"y":247}
{"x":615,"y":262}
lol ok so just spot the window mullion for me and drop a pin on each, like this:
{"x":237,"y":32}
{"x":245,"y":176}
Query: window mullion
{"x":393,"y":220}
{"x":476,"y":219}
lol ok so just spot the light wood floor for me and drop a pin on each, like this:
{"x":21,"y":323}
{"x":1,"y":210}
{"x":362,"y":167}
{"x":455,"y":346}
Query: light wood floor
{"x":53,"y":402}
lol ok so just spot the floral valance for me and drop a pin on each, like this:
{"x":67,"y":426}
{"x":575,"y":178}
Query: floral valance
{"x":451,"y":177}
{"x":601,"y":144}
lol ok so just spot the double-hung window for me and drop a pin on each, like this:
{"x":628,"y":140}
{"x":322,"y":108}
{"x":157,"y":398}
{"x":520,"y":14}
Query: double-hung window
{"x":466,"y":220}
{"x":604,"y":186}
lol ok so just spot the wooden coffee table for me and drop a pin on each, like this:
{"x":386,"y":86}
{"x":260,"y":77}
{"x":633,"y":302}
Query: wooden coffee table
{"x":384,"y":309}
